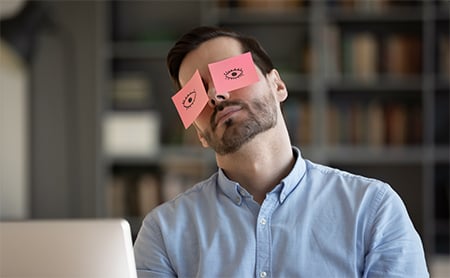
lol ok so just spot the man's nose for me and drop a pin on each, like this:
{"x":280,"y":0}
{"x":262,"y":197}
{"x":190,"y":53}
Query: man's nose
{"x":215,"y":98}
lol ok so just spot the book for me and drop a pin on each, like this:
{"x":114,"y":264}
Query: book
{"x":359,"y":56}
{"x":442,"y":120}
{"x":375,"y":124}
{"x":305,"y":124}
{"x":372,"y":6}
{"x":115,"y":196}
{"x":173,"y":185}
{"x":298,"y":119}
{"x":415,"y":124}
{"x":357,"y":124}
{"x":333,"y":62}
{"x":396,"y":124}
{"x":403,"y":55}
{"x":333,"y":124}
{"x":444,"y":57}
{"x":270,"y":5}
{"x":291,"y":114}
{"x":180,"y":173}
{"x":364,"y":48}
{"x":148,"y":196}
{"x":347,"y":55}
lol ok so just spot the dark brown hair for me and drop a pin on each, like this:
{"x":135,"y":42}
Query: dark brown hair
{"x":191,"y":40}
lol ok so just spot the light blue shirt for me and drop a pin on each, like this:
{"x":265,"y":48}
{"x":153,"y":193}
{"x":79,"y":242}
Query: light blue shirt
{"x":318,"y":222}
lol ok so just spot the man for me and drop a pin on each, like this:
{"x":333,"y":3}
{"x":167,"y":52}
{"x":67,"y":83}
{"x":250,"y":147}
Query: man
{"x":268,"y":212}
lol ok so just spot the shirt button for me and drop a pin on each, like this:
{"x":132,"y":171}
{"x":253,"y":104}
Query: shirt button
{"x":263,"y":274}
{"x":263,"y":221}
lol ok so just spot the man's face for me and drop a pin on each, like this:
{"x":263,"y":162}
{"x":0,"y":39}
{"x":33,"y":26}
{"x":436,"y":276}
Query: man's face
{"x":231,"y":119}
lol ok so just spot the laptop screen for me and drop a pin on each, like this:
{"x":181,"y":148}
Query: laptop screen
{"x":67,"y":248}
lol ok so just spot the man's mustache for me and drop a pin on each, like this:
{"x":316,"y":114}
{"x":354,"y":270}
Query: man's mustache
{"x":220,"y":107}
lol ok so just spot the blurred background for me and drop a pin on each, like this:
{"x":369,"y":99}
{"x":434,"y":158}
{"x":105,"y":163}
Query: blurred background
{"x":88,"y":130}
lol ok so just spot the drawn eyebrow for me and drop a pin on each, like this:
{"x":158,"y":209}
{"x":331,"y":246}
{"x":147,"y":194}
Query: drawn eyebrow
{"x":189,"y":99}
{"x":234,"y":73}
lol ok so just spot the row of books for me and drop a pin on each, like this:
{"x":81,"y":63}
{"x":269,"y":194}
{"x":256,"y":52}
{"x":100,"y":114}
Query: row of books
{"x":298,"y":117}
{"x":132,"y":196}
{"x":134,"y":193}
{"x":368,"y":56}
{"x":372,"y":123}
{"x":263,"y":4}
{"x":375,"y":123}
{"x":382,"y":5}
{"x":363,"y":5}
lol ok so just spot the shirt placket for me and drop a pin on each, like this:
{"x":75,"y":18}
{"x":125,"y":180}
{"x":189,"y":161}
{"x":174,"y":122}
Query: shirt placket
{"x":263,"y":238}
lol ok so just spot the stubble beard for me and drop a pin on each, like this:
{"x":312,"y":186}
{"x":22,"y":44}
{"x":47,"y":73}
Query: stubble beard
{"x":262,"y":116}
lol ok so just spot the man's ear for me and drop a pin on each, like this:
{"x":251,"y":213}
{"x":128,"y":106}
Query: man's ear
{"x":201,"y":137}
{"x":278,"y":84}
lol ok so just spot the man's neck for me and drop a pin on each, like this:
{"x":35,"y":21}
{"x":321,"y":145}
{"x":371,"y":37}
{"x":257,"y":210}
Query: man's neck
{"x":260,"y":164}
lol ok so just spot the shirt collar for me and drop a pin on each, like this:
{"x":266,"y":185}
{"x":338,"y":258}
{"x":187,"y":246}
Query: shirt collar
{"x":292,"y":180}
{"x":230,"y":188}
{"x":236,"y":193}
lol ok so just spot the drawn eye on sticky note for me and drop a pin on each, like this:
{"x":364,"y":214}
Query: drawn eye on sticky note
{"x":233,"y":73}
{"x":190,"y":100}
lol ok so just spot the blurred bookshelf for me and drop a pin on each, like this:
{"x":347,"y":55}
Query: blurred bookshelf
{"x":369,"y":84}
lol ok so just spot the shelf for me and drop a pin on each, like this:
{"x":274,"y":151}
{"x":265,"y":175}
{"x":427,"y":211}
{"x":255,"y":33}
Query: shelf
{"x":141,"y":50}
{"x":390,"y":14}
{"x":380,"y":84}
{"x":166,"y":155}
{"x":443,"y":84}
{"x":335,"y":154}
{"x":296,"y":82}
{"x":264,"y":16}
{"x":442,"y":154}
{"x":381,"y":155}
{"x":386,"y":154}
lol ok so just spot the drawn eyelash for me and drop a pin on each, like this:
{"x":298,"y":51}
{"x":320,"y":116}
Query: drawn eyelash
{"x":234,"y":73}
{"x":189,"y":99}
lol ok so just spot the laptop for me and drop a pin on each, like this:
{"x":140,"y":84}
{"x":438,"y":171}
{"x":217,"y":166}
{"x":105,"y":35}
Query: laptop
{"x":67,"y":248}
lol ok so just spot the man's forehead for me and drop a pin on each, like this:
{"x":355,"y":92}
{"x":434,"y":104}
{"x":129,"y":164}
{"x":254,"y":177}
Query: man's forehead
{"x":221,"y":48}
{"x":211,"y":51}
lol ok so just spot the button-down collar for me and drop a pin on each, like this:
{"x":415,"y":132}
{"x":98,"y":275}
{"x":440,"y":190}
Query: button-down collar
{"x":236,"y":193}
{"x":292,"y":180}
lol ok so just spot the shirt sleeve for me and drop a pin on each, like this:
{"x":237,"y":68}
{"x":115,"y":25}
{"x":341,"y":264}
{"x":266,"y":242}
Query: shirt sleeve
{"x":150,"y":252}
{"x":394,"y":246}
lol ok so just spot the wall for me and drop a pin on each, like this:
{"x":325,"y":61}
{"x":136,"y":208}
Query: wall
{"x":14,"y":201}
{"x":63,"y":112}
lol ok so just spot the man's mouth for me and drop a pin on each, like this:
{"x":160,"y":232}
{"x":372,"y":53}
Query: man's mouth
{"x":223,"y":114}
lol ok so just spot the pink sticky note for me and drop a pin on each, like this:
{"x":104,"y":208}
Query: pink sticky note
{"x":233,"y":73}
{"x":191,"y":100}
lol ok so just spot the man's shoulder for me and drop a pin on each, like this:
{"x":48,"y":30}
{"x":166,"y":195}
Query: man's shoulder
{"x":336,"y":185}
{"x":339,"y":176}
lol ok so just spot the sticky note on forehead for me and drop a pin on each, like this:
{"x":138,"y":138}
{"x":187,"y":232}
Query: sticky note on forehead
{"x":190,"y":100}
{"x":233,"y":73}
